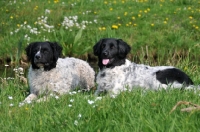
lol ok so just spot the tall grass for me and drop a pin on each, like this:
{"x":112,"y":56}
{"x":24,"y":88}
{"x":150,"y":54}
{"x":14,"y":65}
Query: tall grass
{"x":160,"y":32}
{"x":164,"y":26}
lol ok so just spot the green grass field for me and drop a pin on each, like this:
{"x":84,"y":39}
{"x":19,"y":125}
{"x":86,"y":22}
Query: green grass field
{"x":160,"y":32}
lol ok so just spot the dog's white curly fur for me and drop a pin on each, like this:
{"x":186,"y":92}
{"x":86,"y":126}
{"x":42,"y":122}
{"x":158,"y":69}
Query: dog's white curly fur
{"x":69,"y":74}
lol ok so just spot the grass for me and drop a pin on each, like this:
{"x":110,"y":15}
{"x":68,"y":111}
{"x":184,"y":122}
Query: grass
{"x":160,"y":32}
{"x":137,"y":110}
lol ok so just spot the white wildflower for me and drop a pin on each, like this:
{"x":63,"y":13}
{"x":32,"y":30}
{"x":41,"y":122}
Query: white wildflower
{"x":76,"y":122}
{"x":11,"y":105}
{"x":21,"y":104}
{"x":90,"y":102}
{"x":20,"y":69}
{"x":79,"y":116}
{"x":70,"y":105}
{"x":10,"y":97}
{"x":71,"y":100}
{"x":98,"y":98}
{"x":56,"y":97}
{"x":47,"y":11}
{"x":74,"y":92}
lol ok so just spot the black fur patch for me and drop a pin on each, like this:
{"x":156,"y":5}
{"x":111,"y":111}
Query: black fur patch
{"x":49,"y":54}
{"x":171,"y":75}
{"x":113,"y":49}
{"x":103,"y":74}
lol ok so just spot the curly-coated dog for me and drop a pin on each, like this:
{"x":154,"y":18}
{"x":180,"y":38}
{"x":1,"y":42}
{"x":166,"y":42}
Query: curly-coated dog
{"x":50,"y":74}
{"x":117,"y":74}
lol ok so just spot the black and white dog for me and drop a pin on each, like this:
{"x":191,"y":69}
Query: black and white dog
{"x":50,"y":74}
{"x":118,"y":74}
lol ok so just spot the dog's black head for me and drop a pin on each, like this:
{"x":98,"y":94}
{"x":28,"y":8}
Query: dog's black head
{"x":43,"y":54}
{"x":111,"y":52}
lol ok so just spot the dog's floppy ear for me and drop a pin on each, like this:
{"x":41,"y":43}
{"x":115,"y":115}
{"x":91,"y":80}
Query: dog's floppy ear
{"x":124,"y":48}
{"x":97,"y":48}
{"x":57,"y":50}
{"x":28,"y":50}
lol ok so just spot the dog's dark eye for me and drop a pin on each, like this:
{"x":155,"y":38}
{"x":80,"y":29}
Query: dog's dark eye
{"x":34,"y":51}
{"x":112,"y":46}
{"x":103,"y":46}
{"x":45,"y":51}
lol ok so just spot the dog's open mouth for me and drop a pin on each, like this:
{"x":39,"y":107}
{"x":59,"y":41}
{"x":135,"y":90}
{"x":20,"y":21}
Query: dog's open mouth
{"x":105,"y":61}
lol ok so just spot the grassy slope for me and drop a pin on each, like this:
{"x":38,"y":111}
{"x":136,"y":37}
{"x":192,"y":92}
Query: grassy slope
{"x":165,"y":32}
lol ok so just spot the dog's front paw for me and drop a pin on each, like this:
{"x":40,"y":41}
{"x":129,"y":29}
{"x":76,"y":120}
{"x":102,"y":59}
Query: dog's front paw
{"x":28,"y":100}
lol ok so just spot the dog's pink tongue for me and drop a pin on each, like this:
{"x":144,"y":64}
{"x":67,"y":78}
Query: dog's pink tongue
{"x":105,"y":61}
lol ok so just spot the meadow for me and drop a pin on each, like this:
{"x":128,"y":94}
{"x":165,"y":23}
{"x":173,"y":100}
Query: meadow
{"x":160,"y":32}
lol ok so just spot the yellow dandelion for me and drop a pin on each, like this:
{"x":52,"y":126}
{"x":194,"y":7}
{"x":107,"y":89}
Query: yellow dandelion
{"x":140,"y":11}
{"x":18,"y":25}
{"x":36,"y":7}
{"x":190,"y":17}
{"x":166,"y":19}
{"x":95,"y":12}
{"x":11,"y":17}
{"x":197,"y":27}
{"x":139,"y":15}
{"x":105,"y":2}
{"x":145,"y":11}
{"x":127,"y":24}
{"x":125,"y":13}
{"x":111,"y":9}
{"x":185,"y":68}
{"x":165,"y":22}
{"x":58,"y":24}
{"x":56,"y":1}
{"x":100,"y":28}
{"x":103,"y":28}
{"x":189,"y":8}
{"x":114,"y":27}
{"x":118,"y":17}
{"x":123,"y":1}
{"x":119,"y":24}
{"x":135,"y":24}
{"x":130,"y":23}
{"x":152,"y":24}
{"x":26,"y":108}
{"x":133,"y":18}
{"x":148,"y":9}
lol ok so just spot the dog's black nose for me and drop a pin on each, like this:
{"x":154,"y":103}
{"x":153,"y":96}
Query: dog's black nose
{"x":37,"y":56}
{"x":105,"y":53}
